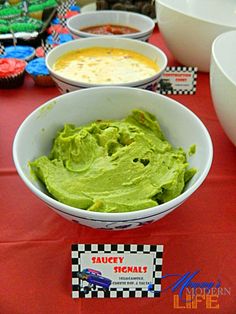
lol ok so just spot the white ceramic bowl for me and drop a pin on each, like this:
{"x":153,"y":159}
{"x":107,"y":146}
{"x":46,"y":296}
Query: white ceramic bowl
{"x":67,"y":85}
{"x":143,"y":23}
{"x":223,"y":81}
{"x":189,"y":27}
{"x":180,"y":126}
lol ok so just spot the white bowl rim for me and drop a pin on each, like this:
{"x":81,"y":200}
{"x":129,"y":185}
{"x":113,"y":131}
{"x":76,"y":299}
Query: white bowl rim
{"x":214,"y":56}
{"x":131,"y":215}
{"x":136,"y":36}
{"x":108,"y":38}
{"x":162,"y":2}
{"x":141,"y":33}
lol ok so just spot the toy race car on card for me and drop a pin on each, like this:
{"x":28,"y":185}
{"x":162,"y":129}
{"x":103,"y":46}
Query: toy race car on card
{"x":94,"y":279}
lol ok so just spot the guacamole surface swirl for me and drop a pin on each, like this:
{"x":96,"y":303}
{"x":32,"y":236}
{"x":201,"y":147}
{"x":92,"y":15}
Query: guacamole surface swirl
{"x":114,"y":166}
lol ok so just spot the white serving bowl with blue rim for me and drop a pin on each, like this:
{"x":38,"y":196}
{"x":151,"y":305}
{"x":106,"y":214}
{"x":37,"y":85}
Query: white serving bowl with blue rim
{"x":142,"y":23}
{"x":66,"y":85}
{"x":180,"y":125}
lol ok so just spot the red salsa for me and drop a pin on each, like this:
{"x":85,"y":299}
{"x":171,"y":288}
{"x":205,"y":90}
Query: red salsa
{"x":109,"y":29}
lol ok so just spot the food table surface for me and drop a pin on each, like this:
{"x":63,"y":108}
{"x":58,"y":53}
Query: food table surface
{"x":35,"y":242}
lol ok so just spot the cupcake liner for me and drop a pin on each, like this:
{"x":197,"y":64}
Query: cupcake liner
{"x":43,"y":80}
{"x":12,"y":72}
{"x":12,"y":81}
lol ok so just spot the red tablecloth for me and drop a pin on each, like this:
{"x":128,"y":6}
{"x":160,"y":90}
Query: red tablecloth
{"x":35,"y":243}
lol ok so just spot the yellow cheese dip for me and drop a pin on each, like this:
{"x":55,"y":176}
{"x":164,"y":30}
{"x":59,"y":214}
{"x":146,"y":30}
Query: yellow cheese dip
{"x":99,"y":65}
{"x":114,"y":166}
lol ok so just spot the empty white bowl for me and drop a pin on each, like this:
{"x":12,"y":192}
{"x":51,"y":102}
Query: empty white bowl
{"x":67,"y":85}
{"x":223,"y":81}
{"x":190,"y":26}
{"x":180,"y":126}
{"x":143,"y":23}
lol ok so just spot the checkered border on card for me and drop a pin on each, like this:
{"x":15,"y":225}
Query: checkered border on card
{"x":156,"y":250}
{"x":179,"y":91}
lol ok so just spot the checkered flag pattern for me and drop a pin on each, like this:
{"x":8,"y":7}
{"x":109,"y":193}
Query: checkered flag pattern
{"x":61,"y":10}
{"x":55,"y":37}
{"x":2,"y":49}
{"x":63,"y":22}
{"x":195,"y":69}
{"x":179,"y":91}
{"x":47,"y":47}
{"x":78,"y":249}
{"x":66,"y":5}
{"x":71,"y":3}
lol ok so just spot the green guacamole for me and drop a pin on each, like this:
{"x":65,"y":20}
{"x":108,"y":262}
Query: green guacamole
{"x":114,"y":166}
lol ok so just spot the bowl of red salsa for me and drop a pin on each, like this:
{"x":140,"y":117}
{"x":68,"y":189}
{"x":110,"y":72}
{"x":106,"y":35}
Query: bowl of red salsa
{"x":110,"y":29}
{"x":111,"y":23}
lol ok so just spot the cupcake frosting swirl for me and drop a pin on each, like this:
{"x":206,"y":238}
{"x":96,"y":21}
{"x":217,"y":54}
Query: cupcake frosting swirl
{"x":37,"y":67}
{"x":11,"y":66}
{"x":19,"y":52}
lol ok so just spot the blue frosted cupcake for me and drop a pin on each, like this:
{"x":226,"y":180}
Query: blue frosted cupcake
{"x":38,"y":71}
{"x":26,"y":53}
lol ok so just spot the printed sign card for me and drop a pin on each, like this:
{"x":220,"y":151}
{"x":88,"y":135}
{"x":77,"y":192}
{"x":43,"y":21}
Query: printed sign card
{"x":178,"y":80}
{"x":116,"y":270}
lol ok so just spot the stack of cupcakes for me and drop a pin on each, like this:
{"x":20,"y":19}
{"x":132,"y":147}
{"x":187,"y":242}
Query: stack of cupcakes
{"x":16,"y":60}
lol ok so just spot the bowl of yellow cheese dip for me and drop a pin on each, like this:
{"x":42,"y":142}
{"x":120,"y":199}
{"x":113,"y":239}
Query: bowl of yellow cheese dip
{"x":112,"y":157}
{"x":105,"y":61}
